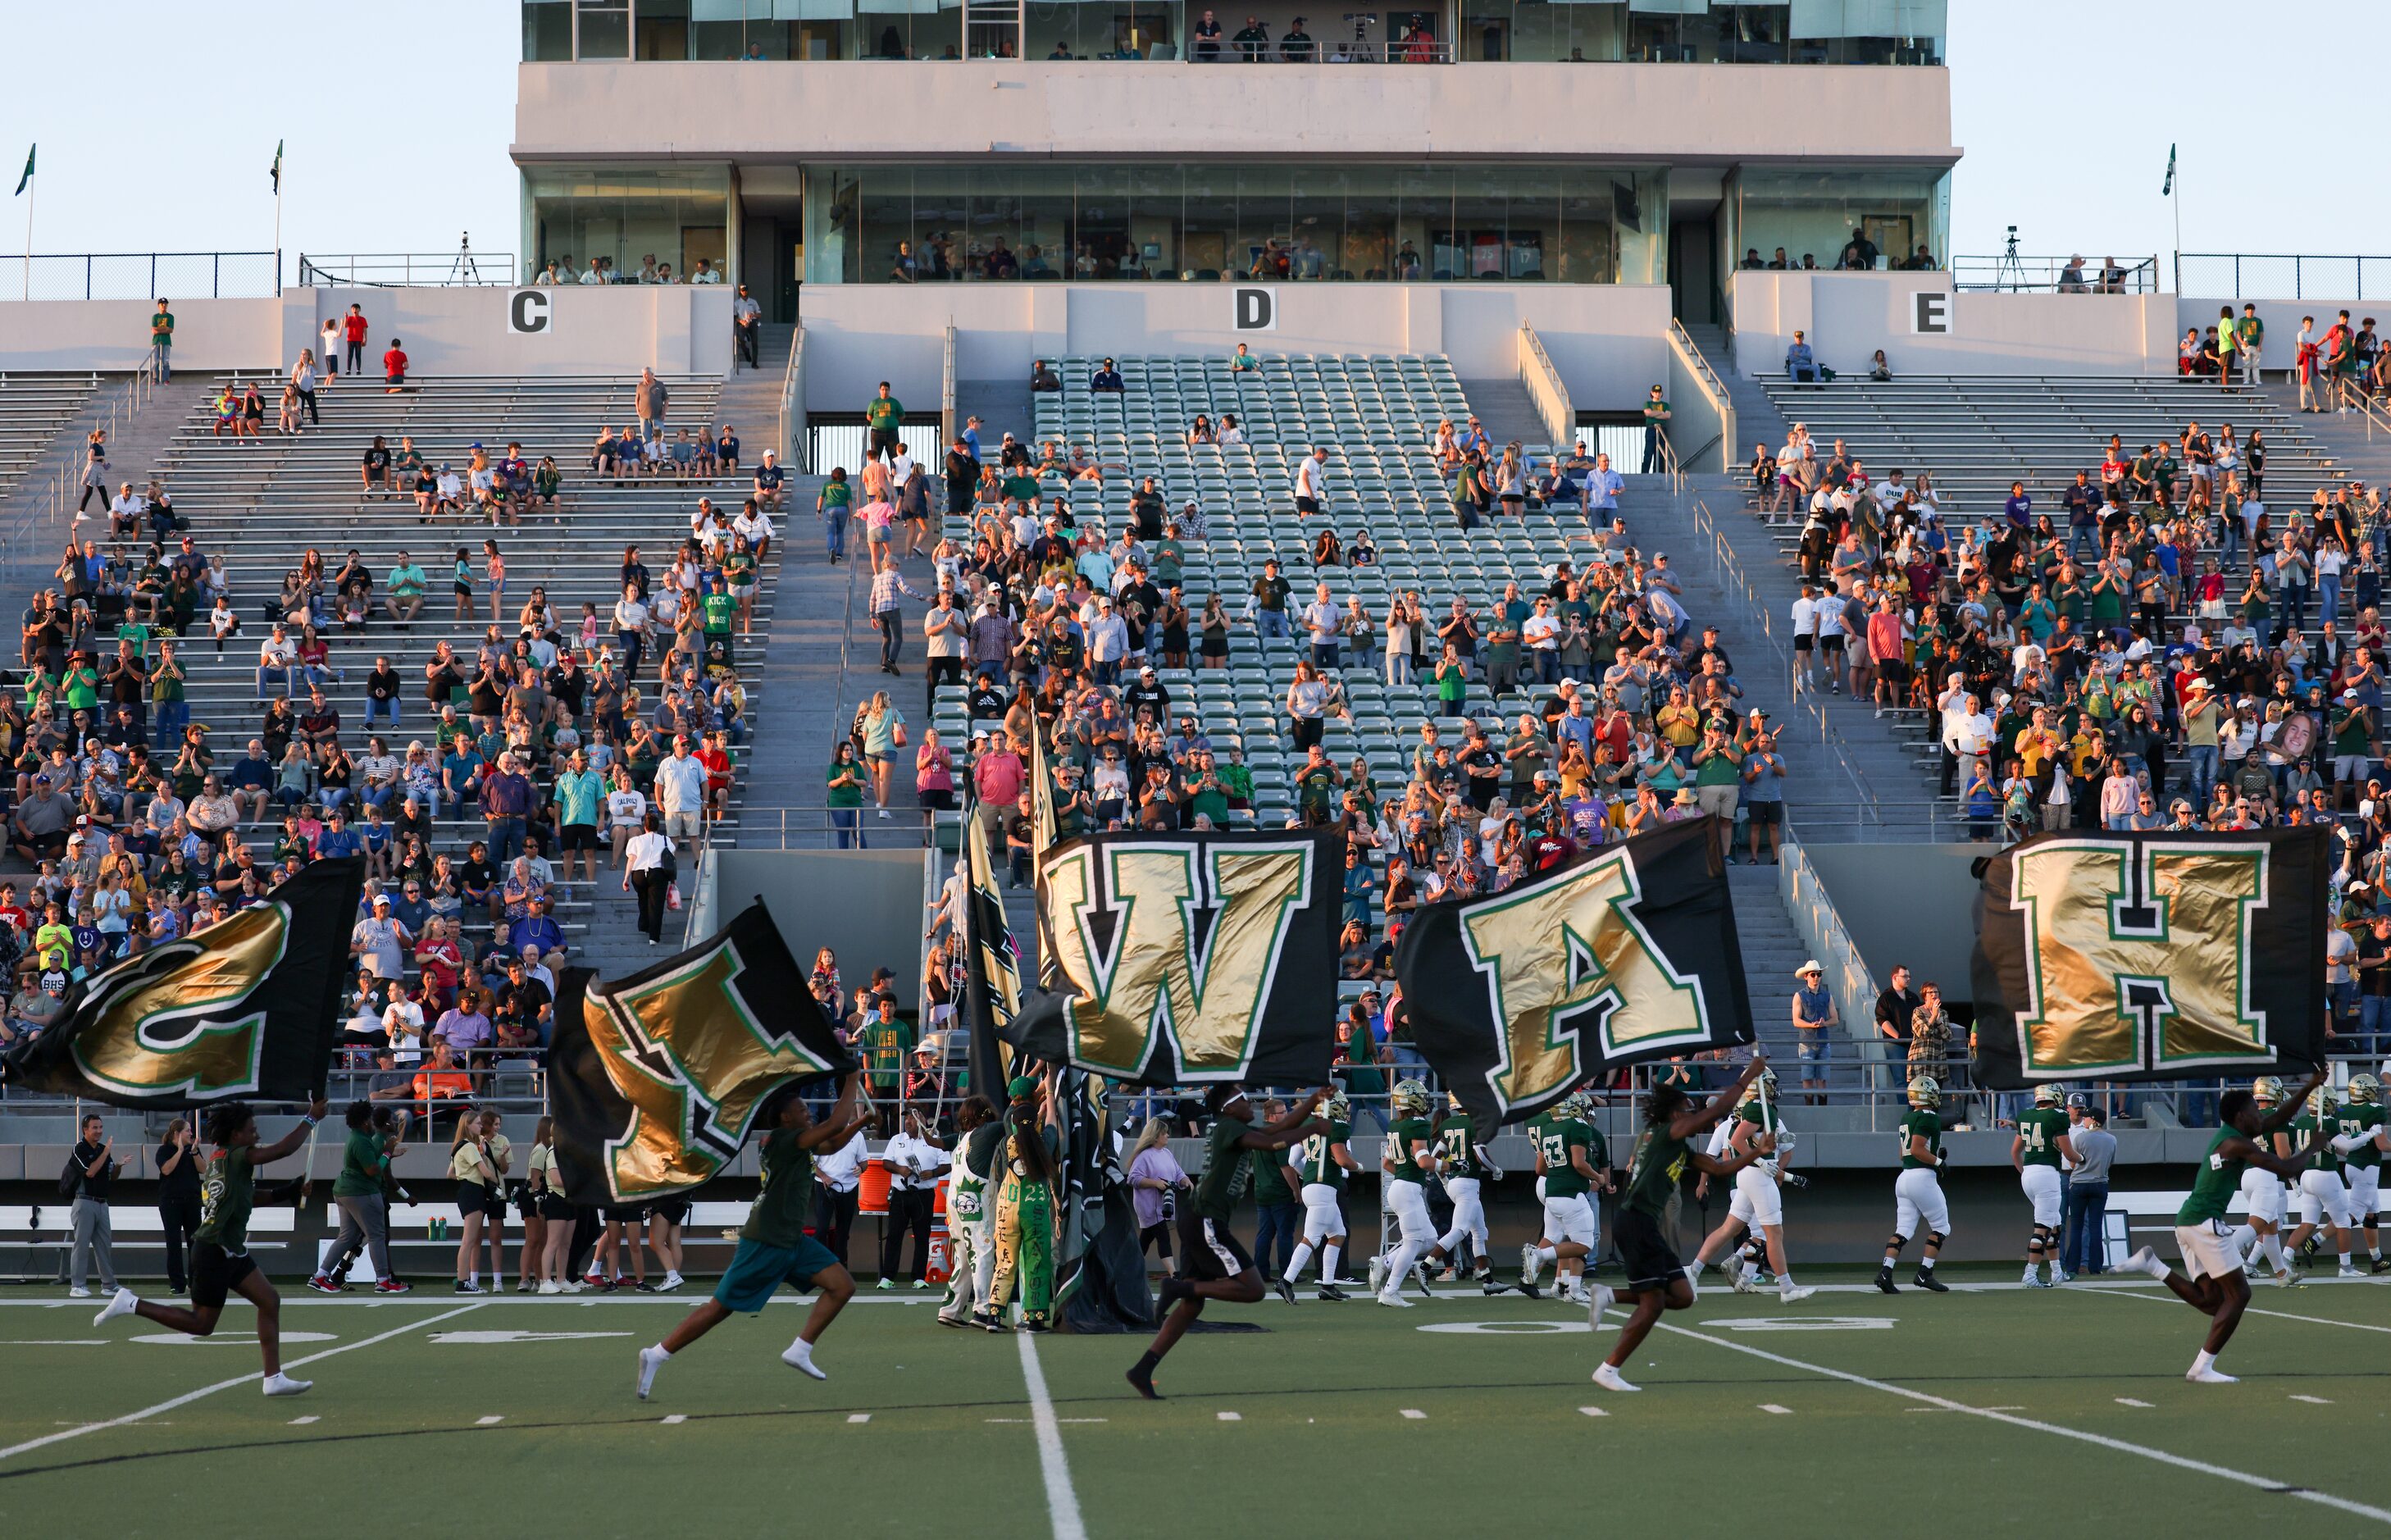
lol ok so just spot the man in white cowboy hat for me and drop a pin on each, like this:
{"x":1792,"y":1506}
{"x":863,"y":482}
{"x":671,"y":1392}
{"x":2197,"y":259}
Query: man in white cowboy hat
{"x":2202,"y":718}
{"x":1813,"y":1013}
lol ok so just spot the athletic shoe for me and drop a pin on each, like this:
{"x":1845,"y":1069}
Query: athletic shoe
{"x":887,"y":1284}
{"x":1448,"y":1275}
{"x":323,"y":1285}
{"x":1036,"y":1325}
{"x":989,"y":1321}
{"x":650,"y":1360}
{"x":2067,"y":1277}
{"x":644,"y":1286}
{"x":2380,"y":1264}
{"x":1377,"y":1274}
{"x":120,"y":1303}
{"x":1885,"y":1281}
{"x":955,"y":1321}
{"x":467,"y":1286}
{"x":2033,"y":1277}
{"x":2349,"y":1272}
{"x":672,"y":1280}
{"x":1393,"y":1299}
{"x":1578,"y":1297}
{"x":2209,"y":1376}
{"x":550,"y":1285}
{"x":525,"y":1285}
{"x":1332,"y":1292}
{"x":392,"y":1286}
{"x":1792,"y":1294}
{"x":78,"y":1292}
{"x":1486,"y":1285}
{"x":1419,"y":1276}
{"x":282,"y":1384}
{"x":1604,"y":1297}
{"x":2289,"y":1279}
{"x":1285,"y":1289}
{"x":1142,"y":1378}
{"x":1929,"y":1282}
{"x":1530,"y":1263}
{"x":799,"y":1356}
{"x":918,"y":1283}
{"x":1741,"y":1282}
{"x":594,"y":1281}
{"x":1608,"y":1378}
{"x":1530,"y":1291}
{"x":2146,"y":1261}
{"x":2039,"y":1281}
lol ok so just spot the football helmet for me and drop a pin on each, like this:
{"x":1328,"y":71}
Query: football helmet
{"x":2050,"y":1095}
{"x":1765,"y":1083}
{"x":1924,"y":1093}
{"x":2320,"y":1103}
{"x":2364,"y":1090}
{"x":1575,"y":1107}
{"x":1411,"y":1098}
{"x":1339,"y":1109}
{"x":2267,"y":1089}
{"x":1452,"y":1101}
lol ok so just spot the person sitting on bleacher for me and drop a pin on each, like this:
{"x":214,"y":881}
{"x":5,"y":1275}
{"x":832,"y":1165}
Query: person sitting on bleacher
{"x":1106,"y":380}
{"x":1800,"y":363}
{"x":1042,"y":377}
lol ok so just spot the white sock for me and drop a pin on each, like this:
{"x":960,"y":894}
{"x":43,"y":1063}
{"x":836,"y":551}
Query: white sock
{"x":1926,"y":1265}
{"x":1399,"y":1266}
{"x":1329,"y":1257}
{"x":802,"y":1349}
{"x":2271,"y":1246}
{"x":2345,"y":1259}
{"x":2244,"y":1238}
{"x":1296,"y":1263}
{"x":1785,"y":1280}
{"x":2204,"y":1360}
{"x":1546,"y":1252}
{"x":475,"y":1279}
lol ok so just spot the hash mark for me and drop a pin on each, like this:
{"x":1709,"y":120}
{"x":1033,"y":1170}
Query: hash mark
{"x":488,"y":1421}
{"x":2129,"y":1401}
{"x":677,"y":1416}
{"x":1232,"y":1416}
{"x":858,"y":1416}
{"x":1413,"y":1415}
{"x":1594,"y":1411}
{"x":301,"y":1422}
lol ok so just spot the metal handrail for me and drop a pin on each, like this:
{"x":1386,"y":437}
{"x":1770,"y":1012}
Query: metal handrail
{"x":2335,"y":277}
{"x":407,"y":270}
{"x":38,"y":266}
{"x":795,"y":452}
{"x":947,"y":426}
{"x":16,"y":536}
{"x":1546,"y":389}
{"x":2035,"y":275}
{"x":1714,"y":392}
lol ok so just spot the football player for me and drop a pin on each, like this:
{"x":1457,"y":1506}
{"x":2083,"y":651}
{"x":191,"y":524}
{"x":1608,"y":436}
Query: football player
{"x":1409,"y":1160}
{"x":1324,"y":1162}
{"x":1671,"y":1124}
{"x":1757,"y":1205}
{"x":2362,"y":1140}
{"x":1573,"y":1164}
{"x":2324,"y":1196}
{"x":1463,"y":1162}
{"x":2040,"y":1145}
{"x":2216,"y":1286}
{"x":1917,"y":1192}
{"x":2262,"y":1196}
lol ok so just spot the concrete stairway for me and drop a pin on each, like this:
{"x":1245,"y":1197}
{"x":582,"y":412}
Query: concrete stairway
{"x":1002,"y":406}
{"x":39,"y":522}
{"x":1756,"y":418}
{"x":751,"y":397}
{"x":2358,"y":454}
{"x":1507,"y":411}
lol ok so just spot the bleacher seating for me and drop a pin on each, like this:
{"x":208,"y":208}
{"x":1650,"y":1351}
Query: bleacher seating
{"x":33,"y":408}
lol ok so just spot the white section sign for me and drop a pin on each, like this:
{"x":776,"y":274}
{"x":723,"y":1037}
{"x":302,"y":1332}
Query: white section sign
{"x":531,"y":312}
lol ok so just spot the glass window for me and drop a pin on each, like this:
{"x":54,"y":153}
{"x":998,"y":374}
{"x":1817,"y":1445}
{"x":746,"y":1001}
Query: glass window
{"x":629,"y":223}
{"x":547,"y":30}
{"x":1833,"y":218}
{"x":662,"y":29}
{"x":605,"y":29}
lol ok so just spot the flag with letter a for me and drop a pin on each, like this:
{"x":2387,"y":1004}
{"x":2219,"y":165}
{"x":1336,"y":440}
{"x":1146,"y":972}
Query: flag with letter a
{"x":250,"y":1006}
{"x":2150,"y":955}
{"x":657,"y":1080}
{"x":1626,"y":953}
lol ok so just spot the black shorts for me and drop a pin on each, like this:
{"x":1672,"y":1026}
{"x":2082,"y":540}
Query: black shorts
{"x":672,"y":1210}
{"x":1307,"y":505}
{"x":554,"y":1206}
{"x":1651,"y":1262}
{"x":215,"y":1272}
{"x":1764,"y":813}
{"x":1892,"y":670}
{"x":1832,"y":643}
{"x":577,"y":836}
{"x":1210,"y":1250}
{"x":476,"y":1197}
{"x":1804,"y":642}
{"x":635,"y":1214}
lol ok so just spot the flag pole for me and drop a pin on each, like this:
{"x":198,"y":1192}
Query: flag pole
{"x":30,"y":191}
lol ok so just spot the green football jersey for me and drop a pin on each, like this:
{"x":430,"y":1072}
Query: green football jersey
{"x":1562,"y":1179}
{"x":2303,"y":1129}
{"x":1270,"y":1180}
{"x":1660,"y":1159}
{"x":2041,"y":1127}
{"x":2219,"y":1179}
{"x":1924,"y":1125}
{"x":1400,"y":1136}
{"x":1313,"y":1160}
{"x":2360,"y":1120}
{"x":1457,"y":1141}
{"x":779,"y":1216}
{"x":227,"y":1191}
{"x":1224,"y":1168}
{"x":363,"y":1160}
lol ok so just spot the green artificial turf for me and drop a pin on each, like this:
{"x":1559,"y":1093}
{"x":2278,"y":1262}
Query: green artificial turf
{"x":1348,"y":1414}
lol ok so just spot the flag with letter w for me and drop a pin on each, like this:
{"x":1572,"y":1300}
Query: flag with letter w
{"x":2150,"y":957}
{"x":1626,"y":953}
{"x":250,"y":1006}
{"x":657,"y":1080}
{"x":1189,"y":958}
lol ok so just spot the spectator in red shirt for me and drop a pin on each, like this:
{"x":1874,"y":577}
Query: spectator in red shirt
{"x":352,"y":328}
{"x":394,"y":368}
{"x":716,"y":761}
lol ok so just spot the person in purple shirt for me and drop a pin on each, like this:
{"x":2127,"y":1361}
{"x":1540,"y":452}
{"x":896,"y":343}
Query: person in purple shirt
{"x":465,"y":1028}
{"x":2019,"y":509}
{"x":505,"y":802}
{"x":537,"y":929}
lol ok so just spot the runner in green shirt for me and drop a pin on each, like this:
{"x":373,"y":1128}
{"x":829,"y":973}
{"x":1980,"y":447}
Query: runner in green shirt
{"x":221,"y":1265}
{"x":1322,"y":1160}
{"x":1216,"y":1264}
{"x":1671,"y":1124}
{"x":773,"y":1246}
{"x":2216,"y":1287}
{"x":886,"y":416}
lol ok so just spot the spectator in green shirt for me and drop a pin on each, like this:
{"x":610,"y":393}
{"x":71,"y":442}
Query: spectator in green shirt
{"x":405,"y":586}
{"x":162,"y":339}
{"x":885,"y":416}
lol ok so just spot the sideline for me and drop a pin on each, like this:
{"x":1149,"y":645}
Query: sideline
{"x":189,"y":1396}
{"x":1062,"y":1500}
{"x":2262,"y":1483}
{"x":2253,"y":1310}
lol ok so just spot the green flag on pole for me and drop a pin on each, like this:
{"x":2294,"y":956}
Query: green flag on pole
{"x":275,"y":171}
{"x":2168,"y":189}
{"x":27,"y":180}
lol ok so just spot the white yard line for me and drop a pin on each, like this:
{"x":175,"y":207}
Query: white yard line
{"x":189,"y":1396}
{"x":2263,"y":1484}
{"x":2253,"y":1309}
{"x":1062,"y":1500}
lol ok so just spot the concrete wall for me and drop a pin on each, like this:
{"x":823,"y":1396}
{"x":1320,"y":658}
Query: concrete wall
{"x":1911,"y":904}
{"x":1089,"y":110}
{"x":617,"y":330}
{"x":1849,"y":316}
{"x":1607,"y":340}
{"x":864,"y":905}
{"x":2282,"y":319}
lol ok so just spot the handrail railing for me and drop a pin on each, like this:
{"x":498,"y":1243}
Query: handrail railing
{"x":1689,"y":359}
{"x":407,"y":270}
{"x":1822,"y":931}
{"x":17,"y":536}
{"x":947,"y":426}
{"x":1546,"y":389}
{"x":2047,"y":275}
{"x":147,"y":274}
{"x":2279,"y":276}
{"x":794,"y":447}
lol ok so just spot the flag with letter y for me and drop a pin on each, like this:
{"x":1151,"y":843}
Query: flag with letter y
{"x":657,"y":1080}
{"x":250,"y":1006}
{"x":1626,"y":953}
{"x":2150,"y":955}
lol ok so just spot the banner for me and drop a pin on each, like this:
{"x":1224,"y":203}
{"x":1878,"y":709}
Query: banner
{"x":1183,"y":958}
{"x":655,"y":1080}
{"x":991,"y":962}
{"x":250,"y":1006}
{"x":2150,"y":957}
{"x":1624,"y":954}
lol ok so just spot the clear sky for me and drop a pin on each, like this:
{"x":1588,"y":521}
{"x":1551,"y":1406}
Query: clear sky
{"x":397,"y":120}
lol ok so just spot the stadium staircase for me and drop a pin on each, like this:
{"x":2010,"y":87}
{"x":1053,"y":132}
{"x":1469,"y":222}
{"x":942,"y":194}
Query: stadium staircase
{"x":2360,"y":447}
{"x":261,"y":503}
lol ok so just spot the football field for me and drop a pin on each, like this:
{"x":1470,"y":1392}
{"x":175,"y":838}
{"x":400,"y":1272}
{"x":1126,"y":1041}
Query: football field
{"x":1989,"y":1407}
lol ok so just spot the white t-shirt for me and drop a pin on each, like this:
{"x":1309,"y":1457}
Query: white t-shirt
{"x":1806,"y":616}
{"x":625,"y":806}
{"x":1309,"y":482}
{"x":1542,"y":633}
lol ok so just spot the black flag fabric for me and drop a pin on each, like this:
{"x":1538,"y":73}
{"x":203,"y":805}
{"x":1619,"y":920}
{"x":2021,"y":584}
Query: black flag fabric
{"x":250,"y":1006}
{"x":2150,"y":955}
{"x":992,"y":961}
{"x":1625,"y":953}
{"x":657,"y":1080}
{"x":1189,"y":958}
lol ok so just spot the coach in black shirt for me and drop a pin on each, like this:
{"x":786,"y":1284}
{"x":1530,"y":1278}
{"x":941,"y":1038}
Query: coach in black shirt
{"x":1894,"y":1008}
